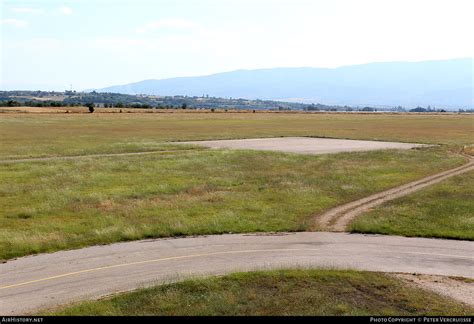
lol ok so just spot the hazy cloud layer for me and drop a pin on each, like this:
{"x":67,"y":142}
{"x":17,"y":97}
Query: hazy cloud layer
{"x":125,"y":41}
{"x":167,"y":23}
{"x":27,"y":10}
{"x":18,"y":23}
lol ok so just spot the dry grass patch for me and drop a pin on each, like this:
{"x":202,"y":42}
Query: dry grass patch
{"x":35,"y":135}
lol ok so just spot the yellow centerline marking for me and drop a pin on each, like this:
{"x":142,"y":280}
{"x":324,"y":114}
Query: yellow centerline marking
{"x":193,"y":256}
{"x":147,"y":261}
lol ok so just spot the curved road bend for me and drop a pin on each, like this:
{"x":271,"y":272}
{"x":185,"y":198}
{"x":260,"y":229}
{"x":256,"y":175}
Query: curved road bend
{"x":47,"y":280}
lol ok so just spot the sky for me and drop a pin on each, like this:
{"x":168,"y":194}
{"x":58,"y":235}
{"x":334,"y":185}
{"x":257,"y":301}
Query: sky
{"x":85,"y":44}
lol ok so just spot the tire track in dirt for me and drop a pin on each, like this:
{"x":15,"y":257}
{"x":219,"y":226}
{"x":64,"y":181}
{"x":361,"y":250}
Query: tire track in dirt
{"x":337,"y":219}
{"x":75,"y":157}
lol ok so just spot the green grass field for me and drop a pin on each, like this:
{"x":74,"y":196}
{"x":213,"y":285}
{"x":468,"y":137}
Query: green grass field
{"x":53,"y":205}
{"x":290,"y":292}
{"x":61,"y":204}
{"x":445,"y":210}
{"x":33,"y":135}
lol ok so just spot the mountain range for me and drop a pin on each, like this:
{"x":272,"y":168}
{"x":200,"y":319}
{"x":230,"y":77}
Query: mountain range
{"x":441,"y":83}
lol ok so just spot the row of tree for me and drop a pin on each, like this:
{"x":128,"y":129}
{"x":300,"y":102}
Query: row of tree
{"x":15,"y":103}
{"x":117,"y":100}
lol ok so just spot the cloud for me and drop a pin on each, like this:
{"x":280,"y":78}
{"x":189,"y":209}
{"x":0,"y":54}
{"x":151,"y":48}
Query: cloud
{"x":27,"y":10}
{"x":65,"y":10}
{"x":62,"y":10}
{"x":18,"y":23}
{"x":169,"y":23}
{"x":36,"y":44}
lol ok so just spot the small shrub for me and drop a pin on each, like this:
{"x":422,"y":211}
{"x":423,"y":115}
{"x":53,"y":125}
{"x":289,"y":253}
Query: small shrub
{"x":91,"y":107}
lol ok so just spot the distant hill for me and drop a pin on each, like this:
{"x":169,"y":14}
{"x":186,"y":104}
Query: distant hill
{"x":446,"y":83}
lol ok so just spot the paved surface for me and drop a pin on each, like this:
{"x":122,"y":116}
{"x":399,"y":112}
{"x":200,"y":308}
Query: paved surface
{"x":304,"y":145}
{"x":338,"y":218}
{"x":48,"y":280}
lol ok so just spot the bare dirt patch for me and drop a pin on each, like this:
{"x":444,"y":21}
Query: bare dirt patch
{"x":305,"y":145}
{"x":460,"y":289}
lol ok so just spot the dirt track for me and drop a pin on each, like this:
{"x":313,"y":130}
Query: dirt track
{"x":337,"y":219}
{"x":85,"y":156}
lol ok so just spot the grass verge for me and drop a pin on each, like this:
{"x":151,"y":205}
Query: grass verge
{"x":283,"y":292}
